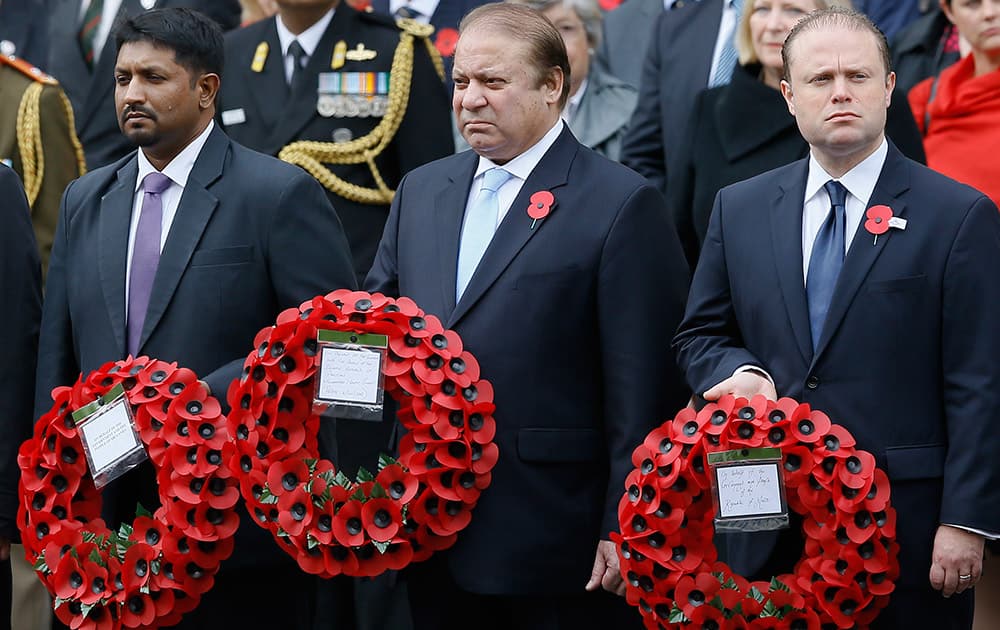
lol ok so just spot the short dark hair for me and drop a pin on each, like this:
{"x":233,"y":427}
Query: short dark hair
{"x":195,"y":39}
{"x":834,"y":17}
{"x":546,"y":49}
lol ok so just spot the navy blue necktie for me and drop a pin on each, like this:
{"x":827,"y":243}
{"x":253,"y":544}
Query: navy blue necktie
{"x":826,"y":260}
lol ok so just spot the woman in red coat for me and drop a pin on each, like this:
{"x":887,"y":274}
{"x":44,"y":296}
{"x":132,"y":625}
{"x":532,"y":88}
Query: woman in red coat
{"x":959,"y":110}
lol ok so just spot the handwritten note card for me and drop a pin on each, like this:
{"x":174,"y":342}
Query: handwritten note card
{"x":349,"y":375}
{"x":108,"y":436}
{"x":748,"y":490}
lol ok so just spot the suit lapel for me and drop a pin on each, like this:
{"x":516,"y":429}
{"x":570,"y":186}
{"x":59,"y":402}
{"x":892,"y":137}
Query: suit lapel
{"x":786,"y":234}
{"x":302,"y":102}
{"x":114,"y":221}
{"x":193,"y":213}
{"x":449,"y":211}
{"x":515,"y":230}
{"x":865,"y":249}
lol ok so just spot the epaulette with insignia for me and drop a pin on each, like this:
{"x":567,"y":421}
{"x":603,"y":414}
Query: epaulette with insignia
{"x":415,"y":28}
{"x":27,"y":69}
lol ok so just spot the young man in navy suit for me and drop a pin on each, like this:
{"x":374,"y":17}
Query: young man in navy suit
{"x":182,"y":251}
{"x":893,"y":336}
{"x":569,"y":316}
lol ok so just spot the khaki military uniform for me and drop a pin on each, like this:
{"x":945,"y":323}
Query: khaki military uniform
{"x":37,"y":140}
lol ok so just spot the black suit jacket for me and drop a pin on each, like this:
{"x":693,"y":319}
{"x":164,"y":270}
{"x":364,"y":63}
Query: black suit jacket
{"x":677,"y":67}
{"x":275,"y":118}
{"x":571,"y":322}
{"x":20,"y":285}
{"x":907,"y":359}
{"x":252,"y":236}
{"x":91,"y":91}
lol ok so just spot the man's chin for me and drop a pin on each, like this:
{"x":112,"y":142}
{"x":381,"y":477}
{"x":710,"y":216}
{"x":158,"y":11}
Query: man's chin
{"x":141,"y":139}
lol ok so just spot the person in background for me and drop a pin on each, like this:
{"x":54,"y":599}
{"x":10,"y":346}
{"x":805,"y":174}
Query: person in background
{"x":24,"y":30}
{"x":720,"y":148}
{"x":924,"y":48}
{"x":79,"y":30}
{"x":692,"y":48}
{"x":958,"y":112}
{"x":892,"y":16}
{"x":38,"y":141}
{"x":600,"y":106}
{"x":627,"y":31}
{"x":256,"y":10}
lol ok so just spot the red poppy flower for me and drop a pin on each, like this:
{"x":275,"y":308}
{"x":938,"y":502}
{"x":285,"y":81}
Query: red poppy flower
{"x":691,"y":594}
{"x":381,"y":519}
{"x":446,"y":41}
{"x":348,"y":528}
{"x":813,"y":428}
{"x":295,"y":510}
{"x":137,"y":568}
{"x":878,"y":219}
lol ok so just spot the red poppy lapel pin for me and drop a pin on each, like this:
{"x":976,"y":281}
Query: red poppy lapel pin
{"x":880,"y":219}
{"x":540,"y":206}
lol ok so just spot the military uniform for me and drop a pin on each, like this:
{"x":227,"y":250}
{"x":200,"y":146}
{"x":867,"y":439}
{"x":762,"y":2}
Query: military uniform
{"x":37,"y":140}
{"x":348,"y":107}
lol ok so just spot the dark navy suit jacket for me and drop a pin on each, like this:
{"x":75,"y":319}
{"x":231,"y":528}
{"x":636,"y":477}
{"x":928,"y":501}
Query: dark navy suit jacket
{"x":571,"y":323}
{"x":907,"y":360}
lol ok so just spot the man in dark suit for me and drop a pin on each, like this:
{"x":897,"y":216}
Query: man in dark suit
{"x":625,"y":38}
{"x":362,"y":137}
{"x":691,"y":49}
{"x":443,"y":15}
{"x":183,"y":251}
{"x":568,"y":315}
{"x":21,"y":289}
{"x":78,"y":32}
{"x":896,"y":340}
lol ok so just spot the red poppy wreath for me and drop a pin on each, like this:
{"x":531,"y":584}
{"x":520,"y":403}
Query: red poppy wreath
{"x":849,"y":563}
{"x":412,"y":506}
{"x":149,"y":573}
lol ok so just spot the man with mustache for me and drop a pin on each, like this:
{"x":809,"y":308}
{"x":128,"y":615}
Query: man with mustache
{"x":563,"y":275}
{"x":888,"y":325}
{"x":183,"y":251}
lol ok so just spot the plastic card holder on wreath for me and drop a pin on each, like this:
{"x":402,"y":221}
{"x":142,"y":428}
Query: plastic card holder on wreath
{"x":109,"y":436}
{"x":349,"y":380}
{"x":748,"y":490}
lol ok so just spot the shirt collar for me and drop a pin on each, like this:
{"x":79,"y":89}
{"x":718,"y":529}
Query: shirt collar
{"x":425,"y":7}
{"x":574,"y":101}
{"x":522,"y":165}
{"x":308,"y":39}
{"x":859,"y":181}
{"x":180,"y":167}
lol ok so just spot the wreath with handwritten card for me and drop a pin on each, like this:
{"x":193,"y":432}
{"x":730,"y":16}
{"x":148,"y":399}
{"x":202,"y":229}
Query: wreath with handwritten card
{"x":151,"y":572}
{"x":407,"y":509}
{"x":668,"y":558}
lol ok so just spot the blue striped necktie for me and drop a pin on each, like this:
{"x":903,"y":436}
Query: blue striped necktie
{"x":727,"y":57}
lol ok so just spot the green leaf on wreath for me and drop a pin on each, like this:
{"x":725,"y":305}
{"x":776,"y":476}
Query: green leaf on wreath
{"x":717,"y":603}
{"x":736,"y":611}
{"x":88,"y":537}
{"x":677,"y":615}
{"x":59,"y":602}
{"x":778,"y":585}
{"x":318,"y":501}
{"x":95,"y":557}
{"x":364,"y":475}
{"x":311,"y":463}
{"x":141,"y":511}
{"x":267,"y":498}
{"x":359,"y":495}
{"x":381,"y":546}
{"x":124,"y":531}
{"x":756,"y":594}
{"x":144,"y":589}
{"x":769,"y":610}
{"x":385,"y":461}
{"x":40,"y":564}
{"x":311,"y":542}
{"x":342,"y":480}
{"x":309,"y":486}
{"x":378,"y":492}
{"x":85,"y":609}
{"x":281,"y":532}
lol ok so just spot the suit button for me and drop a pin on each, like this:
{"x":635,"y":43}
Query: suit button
{"x":812,"y":382}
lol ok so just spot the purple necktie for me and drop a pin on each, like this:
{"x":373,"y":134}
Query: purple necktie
{"x":145,"y":256}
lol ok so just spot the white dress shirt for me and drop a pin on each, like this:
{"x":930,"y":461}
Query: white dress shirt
{"x":308,"y":39}
{"x":426,"y":8}
{"x":520,"y":167}
{"x":727,"y":30}
{"x":178,"y":171}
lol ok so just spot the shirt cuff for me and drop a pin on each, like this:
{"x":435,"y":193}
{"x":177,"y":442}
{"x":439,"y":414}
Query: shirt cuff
{"x":984,"y":534}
